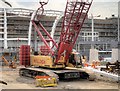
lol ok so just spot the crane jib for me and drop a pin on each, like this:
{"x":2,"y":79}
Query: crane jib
{"x":74,"y":17}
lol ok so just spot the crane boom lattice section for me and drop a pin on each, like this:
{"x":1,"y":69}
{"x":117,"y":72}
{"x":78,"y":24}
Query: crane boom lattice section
{"x":74,"y":16}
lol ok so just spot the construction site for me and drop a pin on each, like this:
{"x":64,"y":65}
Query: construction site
{"x":53,"y":49}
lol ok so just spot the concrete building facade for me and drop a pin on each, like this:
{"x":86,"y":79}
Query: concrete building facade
{"x":14,"y":26}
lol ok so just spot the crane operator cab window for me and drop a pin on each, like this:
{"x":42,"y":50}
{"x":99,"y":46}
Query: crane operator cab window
{"x":75,"y":59}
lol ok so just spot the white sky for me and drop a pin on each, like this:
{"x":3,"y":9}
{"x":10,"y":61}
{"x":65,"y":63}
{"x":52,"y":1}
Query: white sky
{"x":105,"y":8}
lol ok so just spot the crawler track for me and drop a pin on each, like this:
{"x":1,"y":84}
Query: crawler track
{"x":58,"y":74}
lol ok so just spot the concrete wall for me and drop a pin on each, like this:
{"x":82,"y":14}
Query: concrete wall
{"x":93,"y":55}
{"x":115,"y":54}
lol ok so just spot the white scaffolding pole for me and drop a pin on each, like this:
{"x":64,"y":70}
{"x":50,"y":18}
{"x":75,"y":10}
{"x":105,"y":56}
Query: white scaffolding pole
{"x":30,"y":27}
{"x":92,"y":27}
{"x":54,"y":26}
{"x":5,"y":30}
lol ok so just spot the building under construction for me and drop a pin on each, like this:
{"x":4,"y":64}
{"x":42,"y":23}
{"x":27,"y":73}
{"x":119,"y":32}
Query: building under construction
{"x":15,"y":31}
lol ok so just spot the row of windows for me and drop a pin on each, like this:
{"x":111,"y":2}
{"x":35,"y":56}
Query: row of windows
{"x":88,"y":39}
{"x":88,"y":33}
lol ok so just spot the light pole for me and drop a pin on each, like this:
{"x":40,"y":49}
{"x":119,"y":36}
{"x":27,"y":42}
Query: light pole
{"x":92,"y":17}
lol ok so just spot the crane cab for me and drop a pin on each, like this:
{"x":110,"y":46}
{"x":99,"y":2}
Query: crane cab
{"x":75,"y":60}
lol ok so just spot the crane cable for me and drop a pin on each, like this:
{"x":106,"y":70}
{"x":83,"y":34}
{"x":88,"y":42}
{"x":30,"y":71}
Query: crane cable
{"x":7,"y":3}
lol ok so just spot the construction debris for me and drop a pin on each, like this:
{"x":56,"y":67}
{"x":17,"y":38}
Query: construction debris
{"x":112,"y":67}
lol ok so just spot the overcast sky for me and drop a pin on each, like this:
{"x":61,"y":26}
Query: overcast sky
{"x":105,"y":8}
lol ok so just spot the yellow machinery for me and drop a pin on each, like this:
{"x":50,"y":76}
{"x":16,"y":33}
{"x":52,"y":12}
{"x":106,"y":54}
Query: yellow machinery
{"x":45,"y":61}
{"x":40,"y":63}
{"x":48,"y":61}
{"x":11,"y":64}
{"x":45,"y":81}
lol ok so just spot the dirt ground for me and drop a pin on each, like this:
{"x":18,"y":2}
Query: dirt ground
{"x":14,"y":81}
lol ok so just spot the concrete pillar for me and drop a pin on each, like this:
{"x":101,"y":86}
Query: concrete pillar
{"x":30,"y":28}
{"x":5,"y":30}
{"x":115,"y":54}
{"x":93,"y":55}
{"x":58,"y":18}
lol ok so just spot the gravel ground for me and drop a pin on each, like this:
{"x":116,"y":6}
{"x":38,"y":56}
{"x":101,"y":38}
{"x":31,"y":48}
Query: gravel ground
{"x":14,"y":81}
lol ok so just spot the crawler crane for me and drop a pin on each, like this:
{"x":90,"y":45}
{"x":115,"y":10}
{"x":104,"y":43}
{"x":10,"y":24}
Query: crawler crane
{"x":56,"y":61}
